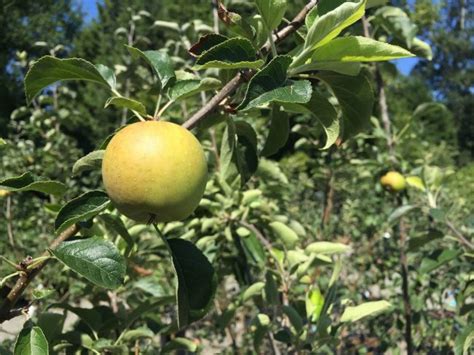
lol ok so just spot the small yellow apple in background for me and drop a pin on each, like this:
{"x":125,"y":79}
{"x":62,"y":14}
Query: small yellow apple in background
{"x":393,"y":181}
{"x":4,"y":193}
{"x":154,"y":171}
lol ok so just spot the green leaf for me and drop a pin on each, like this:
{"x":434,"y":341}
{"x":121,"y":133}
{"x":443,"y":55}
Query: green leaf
{"x":278,"y":133}
{"x":159,"y":61}
{"x":95,"y":319}
{"x":114,"y":223}
{"x":227,"y":152}
{"x":356,"y":98}
{"x":253,"y":290}
{"x":246,"y":156}
{"x":27,"y":182}
{"x":285,"y":233}
{"x":146,"y":307}
{"x":325,"y":113}
{"x":271,"y":289}
{"x":205,"y":43}
{"x":294,"y":317}
{"x":271,"y":171}
{"x":438,"y":214}
{"x":2,"y":142}
{"x":238,"y":158}
{"x":331,"y":24}
{"x":270,"y":85}
{"x":415,"y":243}
{"x":51,"y":324}
{"x":196,"y":283}
{"x":430,"y":109}
{"x":421,"y":49}
{"x":397,"y":23}
{"x":272,"y":12}
{"x":327,"y":248}
{"x":352,"y":314}
{"x":134,"y":334}
{"x":346,"y":68}
{"x":271,"y":77}
{"x":108,"y":74}
{"x":437,"y":259}
{"x":259,"y":327}
{"x":312,"y":15}
{"x":31,"y":341}
{"x":48,"y":70}
{"x":253,"y":250}
{"x":400,"y":212}
{"x":234,"y":53}
{"x":358,"y":49}
{"x":179,"y":344}
{"x":186,"y":88}
{"x":314,"y":304}
{"x":125,"y":102}
{"x":292,"y":92}
{"x":39,"y":294}
{"x":236,"y":24}
{"x":375,"y":3}
{"x":96,"y":259}
{"x":464,"y":341}
{"x":91,"y":161}
{"x":415,"y":182}
{"x":173,"y":26}
{"x":81,"y":209}
{"x":151,"y":285}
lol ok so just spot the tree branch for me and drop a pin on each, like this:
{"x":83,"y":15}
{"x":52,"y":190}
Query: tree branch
{"x":6,"y":308}
{"x":241,"y":77}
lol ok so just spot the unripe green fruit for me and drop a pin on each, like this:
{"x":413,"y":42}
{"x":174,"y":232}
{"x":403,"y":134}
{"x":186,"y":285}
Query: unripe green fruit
{"x":154,"y":171}
{"x":393,"y":181}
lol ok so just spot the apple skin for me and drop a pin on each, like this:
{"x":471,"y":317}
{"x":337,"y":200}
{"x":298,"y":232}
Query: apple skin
{"x":393,"y":181}
{"x":154,"y":171}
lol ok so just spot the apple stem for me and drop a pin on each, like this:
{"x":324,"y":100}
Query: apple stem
{"x":152,"y":219}
{"x":163,"y":238}
{"x":157,"y":107}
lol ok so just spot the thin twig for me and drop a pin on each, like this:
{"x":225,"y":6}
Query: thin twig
{"x":384,"y":115}
{"x":258,"y":234}
{"x":215,"y":15}
{"x":275,"y":350}
{"x":6,"y":308}
{"x":459,"y":235}
{"x":228,"y":329}
{"x":243,"y":76}
{"x":9,"y":217}
{"x":407,"y":310}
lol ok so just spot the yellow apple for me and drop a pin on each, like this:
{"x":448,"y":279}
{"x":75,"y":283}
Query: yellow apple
{"x":393,"y":181}
{"x":154,"y":171}
{"x":4,"y":193}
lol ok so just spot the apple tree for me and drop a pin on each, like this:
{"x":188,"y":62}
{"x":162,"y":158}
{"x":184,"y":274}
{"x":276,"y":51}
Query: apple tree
{"x":187,"y":240}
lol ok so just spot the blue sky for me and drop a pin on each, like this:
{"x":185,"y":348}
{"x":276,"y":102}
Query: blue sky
{"x":90,"y":9}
